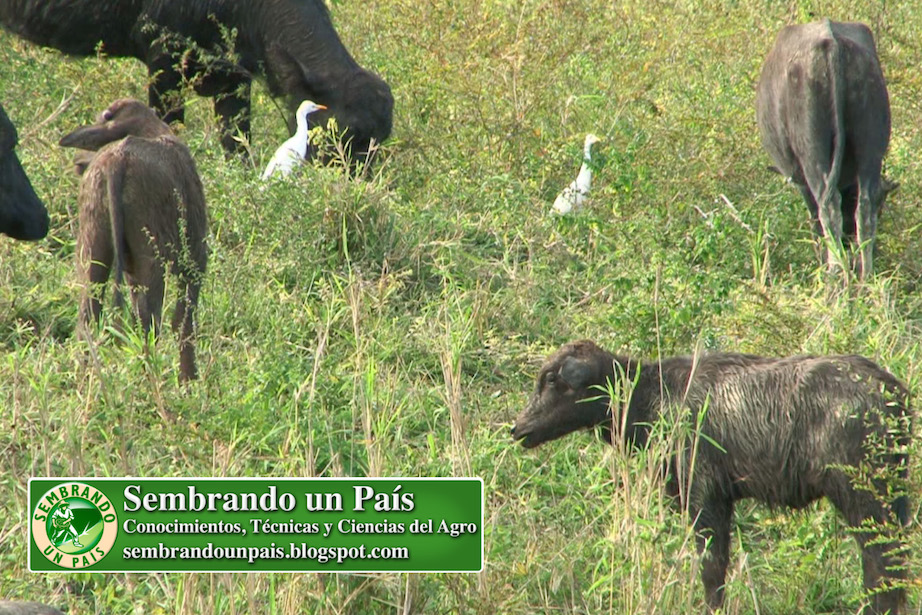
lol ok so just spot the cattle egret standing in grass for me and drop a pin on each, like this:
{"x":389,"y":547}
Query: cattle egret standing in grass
{"x":573,"y":195}
{"x":294,"y":150}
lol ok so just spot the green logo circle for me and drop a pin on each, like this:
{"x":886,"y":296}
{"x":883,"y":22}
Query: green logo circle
{"x":75,"y":525}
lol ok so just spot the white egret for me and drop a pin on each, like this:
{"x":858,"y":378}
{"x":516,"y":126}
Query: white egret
{"x":293,"y":151}
{"x":573,"y":195}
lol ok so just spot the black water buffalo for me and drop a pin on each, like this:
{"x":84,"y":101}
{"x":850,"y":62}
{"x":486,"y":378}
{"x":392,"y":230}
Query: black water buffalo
{"x":291,"y":42}
{"x":783,"y":431}
{"x":22,"y":214}
{"x":824,"y":116}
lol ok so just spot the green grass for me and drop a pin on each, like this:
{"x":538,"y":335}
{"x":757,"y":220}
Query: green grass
{"x":394,"y":326}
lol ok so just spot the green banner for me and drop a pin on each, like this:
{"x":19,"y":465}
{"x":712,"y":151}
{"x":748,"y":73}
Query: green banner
{"x":258,"y":525}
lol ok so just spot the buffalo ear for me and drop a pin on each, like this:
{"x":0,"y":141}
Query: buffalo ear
{"x":291,"y":75}
{"x":82,"y":160}
{"x":93,"y":137}
{"x":576,"y":372}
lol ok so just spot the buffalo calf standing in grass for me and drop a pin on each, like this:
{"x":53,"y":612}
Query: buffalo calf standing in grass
{"x":824,"y":116}
{"x":142,"y":208}
{"x":783,"y":431}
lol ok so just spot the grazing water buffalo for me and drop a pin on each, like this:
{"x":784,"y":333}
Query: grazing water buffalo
{"x":824,"y":116}
{"x":22,"y":214}
{"x":142,"y":209}
{"x":291,"y":42}
{"x":787,"y":431}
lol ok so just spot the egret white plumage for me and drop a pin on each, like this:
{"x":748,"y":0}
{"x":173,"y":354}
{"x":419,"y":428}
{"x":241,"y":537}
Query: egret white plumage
{"x":293,"y":151}
{"x":573,"y":195}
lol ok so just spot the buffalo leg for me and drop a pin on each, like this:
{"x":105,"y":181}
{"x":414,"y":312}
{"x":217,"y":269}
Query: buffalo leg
{"x":829,"y":209}
{"x":147,"y":296}
{"x":712,"y":529}
{"x":866,"y":219}
{"x":820,"y":181}
{"x":879,"y":560}
{"x":230,"y":90}
{"x":184,"y":325}
{"x":90,"y":305}
{"x":812,"y":207}
{"x":233,"y":109}
{"x":815,"y":218}
{"x":164,"y":92}
{"x":95,"y":271}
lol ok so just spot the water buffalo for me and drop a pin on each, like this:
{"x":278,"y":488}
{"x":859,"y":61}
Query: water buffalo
{"x":783,"y":431}
{"x":142,"y":209}
{"x":15,"y":607}
{"x":824,"y":117}
{"x":22,"y":214}
{"x":291,"y":42}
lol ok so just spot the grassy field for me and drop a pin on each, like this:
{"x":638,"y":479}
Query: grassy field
{"x":394,"y":326}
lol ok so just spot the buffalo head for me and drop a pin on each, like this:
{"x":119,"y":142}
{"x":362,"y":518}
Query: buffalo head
{"x":569,"y":394}
{"x":22,"y":214}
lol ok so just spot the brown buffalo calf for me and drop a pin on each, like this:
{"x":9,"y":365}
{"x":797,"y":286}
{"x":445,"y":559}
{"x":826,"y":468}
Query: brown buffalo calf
{"x":142,"y":210}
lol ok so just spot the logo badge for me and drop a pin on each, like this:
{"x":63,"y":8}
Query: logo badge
{"x":74,"y":525}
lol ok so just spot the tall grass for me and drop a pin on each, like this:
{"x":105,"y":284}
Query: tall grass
{"x":394,"y":326}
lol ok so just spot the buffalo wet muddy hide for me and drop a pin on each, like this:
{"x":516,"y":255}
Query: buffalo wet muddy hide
{"x":780,"y":430}
{"x":16,"y":607}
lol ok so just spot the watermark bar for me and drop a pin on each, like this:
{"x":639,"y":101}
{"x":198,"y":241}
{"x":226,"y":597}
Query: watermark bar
{"x":256,"y":524}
